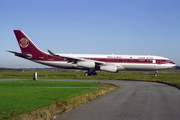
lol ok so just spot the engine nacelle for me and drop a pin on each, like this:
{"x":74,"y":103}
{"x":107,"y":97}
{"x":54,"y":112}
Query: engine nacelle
{"x":86,"y":64}
{"x":109,"y":68}
{"x":119,"y":67}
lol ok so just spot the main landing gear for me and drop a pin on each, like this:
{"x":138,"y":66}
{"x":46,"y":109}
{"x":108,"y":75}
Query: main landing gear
{"x":90,"y":73}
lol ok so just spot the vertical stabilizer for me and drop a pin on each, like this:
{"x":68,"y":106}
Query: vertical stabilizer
{"x":26,"y":45}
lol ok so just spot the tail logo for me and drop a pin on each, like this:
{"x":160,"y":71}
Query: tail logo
{"x":24,"y":42}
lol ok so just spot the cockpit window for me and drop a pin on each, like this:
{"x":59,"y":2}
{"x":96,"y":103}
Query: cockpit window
{"x":168,"y":61}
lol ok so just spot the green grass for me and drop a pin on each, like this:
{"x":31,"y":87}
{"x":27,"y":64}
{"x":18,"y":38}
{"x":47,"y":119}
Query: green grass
{"x":172,"y":78}
{"x":57,"y":74}
{"x":27,"y":96}
{"x":31,"y":83}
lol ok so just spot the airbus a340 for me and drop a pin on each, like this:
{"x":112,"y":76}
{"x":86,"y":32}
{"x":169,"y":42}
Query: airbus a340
{"x":89,"y":62}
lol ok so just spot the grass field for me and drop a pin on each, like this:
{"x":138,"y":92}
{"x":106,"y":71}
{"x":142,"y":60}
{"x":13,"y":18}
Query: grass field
{"x":170,"y":77}
{"x":31,"y":83}
{"x":19,"y":97}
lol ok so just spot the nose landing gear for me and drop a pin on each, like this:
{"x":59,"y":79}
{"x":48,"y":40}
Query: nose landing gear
{"x":156,"y":73}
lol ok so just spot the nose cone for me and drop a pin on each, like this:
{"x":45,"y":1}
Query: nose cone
{"x":172,"y":64}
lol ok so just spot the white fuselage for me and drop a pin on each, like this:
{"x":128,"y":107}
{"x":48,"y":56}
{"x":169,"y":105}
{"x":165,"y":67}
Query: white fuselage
{"x":129,"y":62}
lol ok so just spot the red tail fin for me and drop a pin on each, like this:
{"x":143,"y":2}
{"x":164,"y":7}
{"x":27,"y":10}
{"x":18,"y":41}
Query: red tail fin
{"x":26,"y":45}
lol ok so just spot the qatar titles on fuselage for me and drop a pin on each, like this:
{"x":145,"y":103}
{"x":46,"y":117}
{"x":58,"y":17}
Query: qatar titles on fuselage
{"x":89,"y":62}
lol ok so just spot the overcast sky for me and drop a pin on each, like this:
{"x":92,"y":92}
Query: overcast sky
{"x":135,"y":27}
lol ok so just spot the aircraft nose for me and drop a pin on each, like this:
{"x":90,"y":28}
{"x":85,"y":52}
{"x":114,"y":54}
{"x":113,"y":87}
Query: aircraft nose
{"x":173,"y":64}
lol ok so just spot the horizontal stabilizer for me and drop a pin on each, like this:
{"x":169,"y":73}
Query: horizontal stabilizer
{"x":21,"y":54}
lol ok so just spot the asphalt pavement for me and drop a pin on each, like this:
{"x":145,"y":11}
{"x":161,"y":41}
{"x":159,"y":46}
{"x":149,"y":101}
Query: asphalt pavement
{"x":134,"y":100}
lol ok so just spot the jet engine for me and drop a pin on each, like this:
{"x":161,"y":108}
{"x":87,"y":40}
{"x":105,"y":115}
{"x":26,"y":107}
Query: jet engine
{"x":119,"y":67}
{"x":86,"y":64}
{"x":108,"y":68}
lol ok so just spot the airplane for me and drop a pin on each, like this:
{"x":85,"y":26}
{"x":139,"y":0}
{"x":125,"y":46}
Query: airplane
{"x":90,"y":62}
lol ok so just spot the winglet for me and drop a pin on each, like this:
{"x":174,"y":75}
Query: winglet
{"x":51,"y":53}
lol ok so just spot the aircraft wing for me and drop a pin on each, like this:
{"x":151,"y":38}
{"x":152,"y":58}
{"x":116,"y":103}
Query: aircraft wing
{"x":74,"y":59}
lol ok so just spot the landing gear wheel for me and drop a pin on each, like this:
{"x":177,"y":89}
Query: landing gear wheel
{"x":90,"y":74}
{"x":156,"y":73}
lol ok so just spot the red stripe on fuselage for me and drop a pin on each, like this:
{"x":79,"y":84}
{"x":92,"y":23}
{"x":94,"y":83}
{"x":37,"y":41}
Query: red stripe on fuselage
{"x":108,"y":60}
